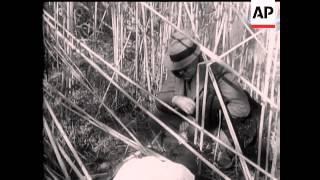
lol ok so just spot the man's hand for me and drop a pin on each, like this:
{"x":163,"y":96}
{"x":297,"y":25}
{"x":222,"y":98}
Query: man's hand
{"x":184,"y":103}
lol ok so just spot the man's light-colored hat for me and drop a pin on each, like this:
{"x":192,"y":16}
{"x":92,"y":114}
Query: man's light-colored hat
{"x":181,"y":51}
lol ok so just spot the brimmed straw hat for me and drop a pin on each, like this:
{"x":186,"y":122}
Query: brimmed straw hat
{"x":181,"y":51}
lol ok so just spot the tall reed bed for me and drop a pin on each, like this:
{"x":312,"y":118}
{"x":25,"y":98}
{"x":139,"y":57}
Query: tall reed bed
{"x":134,"y":40}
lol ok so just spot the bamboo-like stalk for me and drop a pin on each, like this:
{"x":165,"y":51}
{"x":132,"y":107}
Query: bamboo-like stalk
{"x":161,"y":58}
{"x":243,"y":55}
{"x":115,"y":35}
{"x":136,"y":47}
{"x":266,"y":87}
{"x":228,"y":47}
{"x":51,"y":173}
{"x":102,"y":19}
{"x":56,"y":21}
{"x":196,"y":17}
{"x":225,"y":28}
{"x":275,"y":153}
{"x":216,"y":27}
{"x":146,"y":64}
{"x":68,"y":23}
{"x":272,"y":96}
{"x":120,"y":32}
{"x":69,"y":161}
{"x":179,"y":14}
{"x":260,"y":137}
{"x":197,"y":104}
{"x":95,"y":20}
{"x":218,"y":35}
{"x":115,"y":27}
{"x":233,"y":64}
{"x":171,"y":16}
{"x":218,"y":136}
{"x":65,"y":137}
{"x":247,"y":64}
{"x":230,"y":12}
{"x":253,"y":73}
{"x":191,"y":18}
{"x":259,"y":75}
{"x":268,"y":140}
{"x":120,"y":15}
{"x":244,"y":166}
{"x":63,"y":89}
{"x":152,"y":46}
{"x":64,"y":23}
{"x":55,"y":149}
{"x":275,"y":67}
{"x":204,"y":102}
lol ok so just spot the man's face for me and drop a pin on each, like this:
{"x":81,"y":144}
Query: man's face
{"x":188,"y":72}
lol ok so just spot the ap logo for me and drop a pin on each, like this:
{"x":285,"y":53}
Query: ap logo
{"x":263,"y":14}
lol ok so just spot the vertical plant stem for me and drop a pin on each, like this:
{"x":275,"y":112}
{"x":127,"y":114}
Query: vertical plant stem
{"x":217,"y":39}
{"x":277,"y":44}
{"x":121,"y":28}
{"x":115,"y":31}
{"x":95,"y":19}
{"x":268,"y":140}
{"x":179,"y":14}
{"x":137,"y":43}
{"x":218,"y":136}
{"x":277,"y":143}
{"x":152,"y":45}
{"x":260,"y":137}
{"x":253,"y":73}
{"x":162,"y":69}
{"x":197,"y":104}
{"x":101,"y":21}
{"x":204,"y":101}
{"x":146,"y":50}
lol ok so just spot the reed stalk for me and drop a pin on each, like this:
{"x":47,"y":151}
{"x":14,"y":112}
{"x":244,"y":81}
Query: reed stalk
{"x":65,"y":137}
{"x":55,"y":149}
